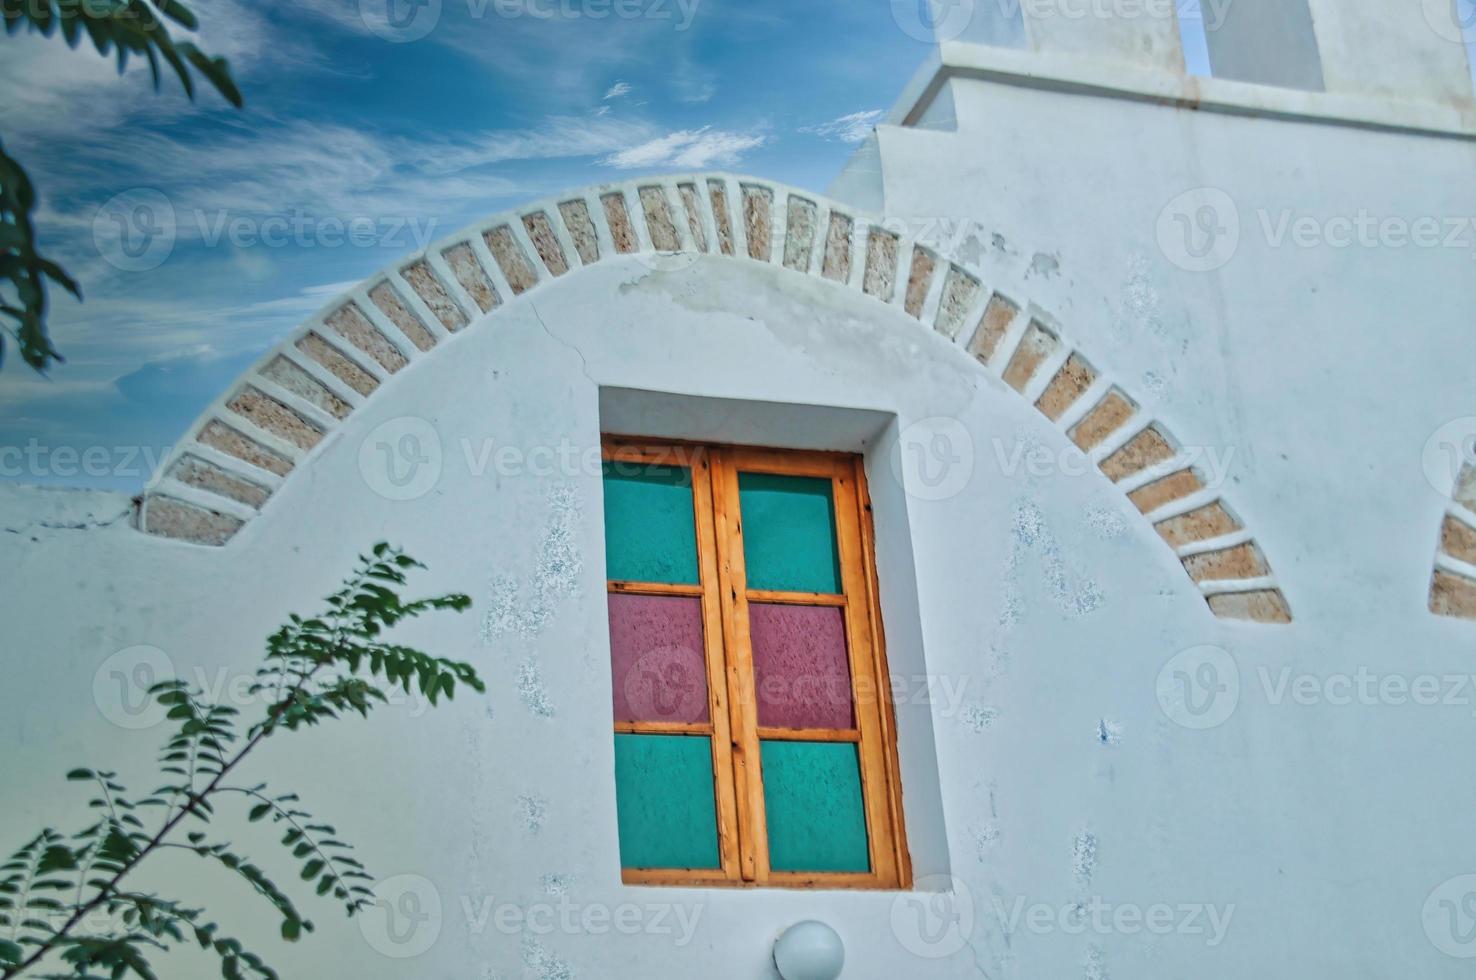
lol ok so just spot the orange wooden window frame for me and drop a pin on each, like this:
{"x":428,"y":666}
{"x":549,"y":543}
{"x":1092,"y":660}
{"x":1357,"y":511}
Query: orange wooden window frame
{"x":732,"y":701}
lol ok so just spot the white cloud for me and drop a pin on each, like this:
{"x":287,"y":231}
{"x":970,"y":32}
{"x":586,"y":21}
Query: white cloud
{"x":691,"y":148}
{"x":853,"y":128}
{"x":617,"y":90}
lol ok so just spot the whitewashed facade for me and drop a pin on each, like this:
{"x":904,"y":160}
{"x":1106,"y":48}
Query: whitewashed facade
{"x":1151,"y":725}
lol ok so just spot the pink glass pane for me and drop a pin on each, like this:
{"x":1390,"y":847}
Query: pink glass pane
{"x":801,"y":671}
{"x":657,"y":656}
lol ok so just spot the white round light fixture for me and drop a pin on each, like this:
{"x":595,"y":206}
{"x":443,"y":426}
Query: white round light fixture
{"x":809,"y":951}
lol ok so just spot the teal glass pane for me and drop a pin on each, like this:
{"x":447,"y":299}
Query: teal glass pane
{"x":649,"y":530}
{"x":788,"y":533}
{"x":664,"y":801}
{"x":812,"y":793}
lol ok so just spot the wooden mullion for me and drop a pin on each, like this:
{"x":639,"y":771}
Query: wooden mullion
{"x":714,"y":634}
{"x":647,"y":453}
{"x":655,"y":588}
{"x":795,"y":598}
{"x":785,"y":462}
{"x":663,"y":728}
{"x":809,"y":734}
{"x":747,"y":764}
{"x":871,"y":752}
{"x":881,"y":673}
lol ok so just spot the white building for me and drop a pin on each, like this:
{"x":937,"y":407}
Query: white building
{"x":1161,"y":388}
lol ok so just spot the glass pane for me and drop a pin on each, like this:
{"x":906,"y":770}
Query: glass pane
{"x":660,"y":667}
{"x":649,"y":533}
{"x":801,"y":672}
{"x":664,"y":801}
{"x":812,"y":792}
{"x":788,"y":533}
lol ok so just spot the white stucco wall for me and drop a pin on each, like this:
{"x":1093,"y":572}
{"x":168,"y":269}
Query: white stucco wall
{"x":1045,"y":599}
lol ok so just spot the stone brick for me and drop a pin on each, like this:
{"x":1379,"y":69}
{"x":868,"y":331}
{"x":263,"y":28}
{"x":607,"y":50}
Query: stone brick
{"x":718,"y":192}
{"x":1209,"y":521}
{"x":516,"y":268}
{"x":998,"y":315}
{"x":1465,"y":487}
{"x":837,"y":262}
{"x":1173,"y":487}
{"x":196,"y":472}
{"x":692,"y":204}
{"x":431,"y":292}
{"x":218,"y":435}
{"x":758,"y":221}
{"x":919,"y":280}
{"x":473,"y":278}
{"x":546,"y":242}
{"x":1069,"y":384}
{"x":799,"y":234}
{"x":1148,"y":448}
{"x":1453,"y":595}
{"x":1262,"y":606}
{"x":1458,"y":539}
{"x":880,"y":276}
{"x":388,"y":301}
{"x":618,"y":219}
{"x":265,"y":412}
{"x":960,"y":292}
{"x":305,"y":386}
{"x":1035,"y":348}
{"x":1109,"y":415}
{"x":1241,"y":561}
{"x":659,"y":223}
{"x":581,"y":229}
{"x":345,"y":370}
{"x":350,"y":324}
{"x":170,"y":518}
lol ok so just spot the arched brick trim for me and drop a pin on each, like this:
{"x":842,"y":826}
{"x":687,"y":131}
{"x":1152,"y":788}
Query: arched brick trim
{"x":249,"y":442}
{"x":1453,"y":584}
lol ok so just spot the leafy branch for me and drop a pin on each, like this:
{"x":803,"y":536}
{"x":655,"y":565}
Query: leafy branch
{"x":124,"y":29}
{"x":315,"y":670}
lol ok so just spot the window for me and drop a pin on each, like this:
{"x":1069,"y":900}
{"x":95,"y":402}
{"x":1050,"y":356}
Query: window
{"x":754,"y":736}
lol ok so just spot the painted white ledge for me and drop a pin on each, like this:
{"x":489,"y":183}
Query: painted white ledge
{"x":1040,"y":70}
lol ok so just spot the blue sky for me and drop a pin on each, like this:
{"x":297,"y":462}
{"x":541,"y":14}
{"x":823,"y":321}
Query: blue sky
{"x":488,"y":103}
{"x":400,"y":141}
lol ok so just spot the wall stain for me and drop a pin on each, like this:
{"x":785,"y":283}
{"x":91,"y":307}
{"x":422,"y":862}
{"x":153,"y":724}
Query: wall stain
{"x":555,"y":577}
{"x":1076,"y":594}
{"x":532,"y":812}
{"x":544,"y":963}
{"x":531,"y":690}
